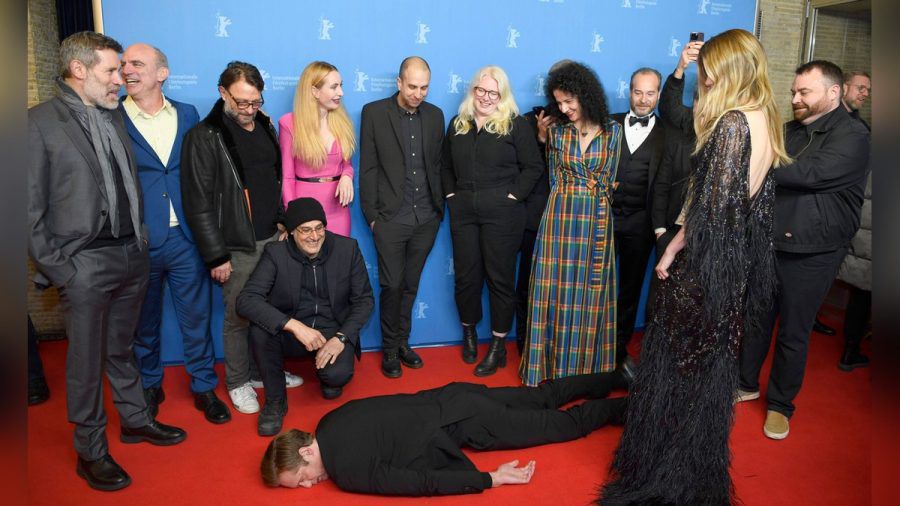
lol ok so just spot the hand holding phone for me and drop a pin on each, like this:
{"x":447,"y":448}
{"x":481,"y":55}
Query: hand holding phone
{"x":696,"y":37}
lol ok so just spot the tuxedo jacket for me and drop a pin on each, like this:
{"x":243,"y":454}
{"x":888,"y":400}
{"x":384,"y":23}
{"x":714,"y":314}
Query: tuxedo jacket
{"x":161,"y":179}
{"x":67,"y":201}
{"x":382,"y":155}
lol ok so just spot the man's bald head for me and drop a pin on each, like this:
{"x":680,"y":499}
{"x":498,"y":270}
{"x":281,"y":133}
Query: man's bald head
{"x":413,"y":63}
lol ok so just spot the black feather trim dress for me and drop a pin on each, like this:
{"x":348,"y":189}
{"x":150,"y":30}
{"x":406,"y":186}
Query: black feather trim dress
{"x":674,"y":449}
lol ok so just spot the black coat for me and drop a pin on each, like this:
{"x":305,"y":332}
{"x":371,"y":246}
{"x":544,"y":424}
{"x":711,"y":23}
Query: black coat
{"x":819,"y":195}
{"x":272,"y":294}
{"x":382,"y":161}
{"x":536,"y":201}
{"x":212,"y":187}
{"x":670,"y":187}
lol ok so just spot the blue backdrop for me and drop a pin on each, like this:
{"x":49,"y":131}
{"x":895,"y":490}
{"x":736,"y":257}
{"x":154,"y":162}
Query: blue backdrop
{"x":366,"y":40}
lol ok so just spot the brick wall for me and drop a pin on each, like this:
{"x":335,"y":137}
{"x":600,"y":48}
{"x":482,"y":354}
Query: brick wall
{"x":43,"y":48}
{"x":781,"y":33}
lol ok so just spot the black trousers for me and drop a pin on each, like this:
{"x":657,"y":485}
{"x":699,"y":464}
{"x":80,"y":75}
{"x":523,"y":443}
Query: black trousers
{"x":857,"y":316}
{"x":101,"y":305}
{"x":487,"y":227}
{"x":270,"y":350}
{"x":526,"y":252}
{"x":634,"y":243}
{"x":803,"y":283}
{"x":402,"y":251}
{"x":35,"y":366}
{"x":521,"y":417}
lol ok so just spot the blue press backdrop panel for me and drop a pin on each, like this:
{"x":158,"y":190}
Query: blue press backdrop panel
{"x":367,"y":40}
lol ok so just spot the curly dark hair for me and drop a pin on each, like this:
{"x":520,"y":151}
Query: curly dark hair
{"x":581,"y":81}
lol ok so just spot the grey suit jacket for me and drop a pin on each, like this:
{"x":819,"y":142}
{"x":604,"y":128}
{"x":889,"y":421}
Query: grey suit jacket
{"x":67,"y":203}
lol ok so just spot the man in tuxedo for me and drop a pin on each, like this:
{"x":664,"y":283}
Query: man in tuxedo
{"x":409,"y":444}
{"x":156,"y":126}
{"x":401,"y":199}
{"x":86,"y":236}
{"x":817,"y":212}
{"x":639,"y":161}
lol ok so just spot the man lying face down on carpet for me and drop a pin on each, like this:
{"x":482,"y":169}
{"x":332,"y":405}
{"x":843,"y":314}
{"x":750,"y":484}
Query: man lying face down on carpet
{"x":409,"y":444}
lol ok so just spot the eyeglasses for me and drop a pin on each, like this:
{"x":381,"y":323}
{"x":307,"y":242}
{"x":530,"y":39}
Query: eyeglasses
{"x":306,"y":231}
{"x":863,"y":88}
{"x":246,"y":104}
{"x":481,"y":92}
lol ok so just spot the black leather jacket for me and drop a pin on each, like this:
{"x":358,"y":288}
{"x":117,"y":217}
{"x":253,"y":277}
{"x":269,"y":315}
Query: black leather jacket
{"x":212,"y":188}
{"x":819,"y":195}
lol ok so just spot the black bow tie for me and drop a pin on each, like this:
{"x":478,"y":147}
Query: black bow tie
{"x":643,"y":121}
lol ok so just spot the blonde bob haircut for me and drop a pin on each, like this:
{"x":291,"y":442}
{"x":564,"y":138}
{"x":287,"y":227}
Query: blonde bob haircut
{"x":308,"y":145}
{"x":736,"y":62}
{"x":500,"y":122}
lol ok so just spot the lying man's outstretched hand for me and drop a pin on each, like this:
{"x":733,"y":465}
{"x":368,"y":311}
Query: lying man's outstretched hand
{"x":509,"y":474}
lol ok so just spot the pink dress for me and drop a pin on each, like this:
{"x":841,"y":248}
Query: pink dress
{"x":293,"y":168}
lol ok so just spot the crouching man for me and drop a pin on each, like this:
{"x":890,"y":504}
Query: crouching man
{"x":308,"y":296}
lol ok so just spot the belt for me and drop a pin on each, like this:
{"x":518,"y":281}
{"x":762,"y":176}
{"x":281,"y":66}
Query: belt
{"x":319,"y":179}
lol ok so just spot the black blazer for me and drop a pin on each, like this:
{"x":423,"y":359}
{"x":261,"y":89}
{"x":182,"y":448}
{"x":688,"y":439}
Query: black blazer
{"x":396,"y":444}
{"x":670,"y":188}
{"x":272,"y":294}
{"x":382,"y":161}
{"x":656,"y":141}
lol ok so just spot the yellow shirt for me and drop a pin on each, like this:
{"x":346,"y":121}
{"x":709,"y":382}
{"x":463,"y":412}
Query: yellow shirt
{"x":159,"y":131}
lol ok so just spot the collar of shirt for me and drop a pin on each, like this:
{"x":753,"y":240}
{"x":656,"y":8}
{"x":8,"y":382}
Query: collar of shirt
{"x":134,"y":111}
{"x":403,"y":112}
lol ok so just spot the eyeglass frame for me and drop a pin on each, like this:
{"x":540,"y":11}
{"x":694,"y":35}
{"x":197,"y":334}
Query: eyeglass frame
{"x":246,"y":104}
{"x":319,"y":229}
{"x":490,"y":93}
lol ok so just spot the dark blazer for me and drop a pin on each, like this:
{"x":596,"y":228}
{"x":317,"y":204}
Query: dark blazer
{"x":656,"y":141}
{"x":272,"y":294}
{"x":675,"y":169}
{"x":161,"y":181}
{"x":67,"y":203}
{"x":382,"y":165}
{"x":395,"y":444}
{"x":536,"y":201}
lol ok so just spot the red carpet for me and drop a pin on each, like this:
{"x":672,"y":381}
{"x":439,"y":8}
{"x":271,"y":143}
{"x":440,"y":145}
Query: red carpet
{"x":825,"y":460}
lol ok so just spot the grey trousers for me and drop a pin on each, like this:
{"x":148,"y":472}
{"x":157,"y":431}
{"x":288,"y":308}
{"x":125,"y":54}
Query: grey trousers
{"x":239,"y":363}
{"x":101,"y":305}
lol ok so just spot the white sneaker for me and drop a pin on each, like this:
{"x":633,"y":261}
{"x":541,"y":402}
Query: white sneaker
{"x":290,"y":381}
{"x":244,"y":399}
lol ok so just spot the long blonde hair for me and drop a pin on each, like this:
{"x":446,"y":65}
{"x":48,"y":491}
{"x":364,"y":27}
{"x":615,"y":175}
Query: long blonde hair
{"x":500,"y":122}
{"x":308,"y":144}
{"x":737,"y":64}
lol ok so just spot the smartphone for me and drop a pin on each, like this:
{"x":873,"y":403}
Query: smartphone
{"x":696,"y":36}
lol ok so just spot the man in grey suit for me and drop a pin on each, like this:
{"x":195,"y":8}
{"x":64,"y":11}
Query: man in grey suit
{"x":86,"y":236}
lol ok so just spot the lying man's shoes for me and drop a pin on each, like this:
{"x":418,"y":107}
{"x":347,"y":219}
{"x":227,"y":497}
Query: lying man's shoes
{"x":103,"y":473}
{"x":154,"y":433}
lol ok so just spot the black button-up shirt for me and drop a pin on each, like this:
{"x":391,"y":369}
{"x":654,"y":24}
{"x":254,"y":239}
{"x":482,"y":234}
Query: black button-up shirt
{"x":417,"y":203}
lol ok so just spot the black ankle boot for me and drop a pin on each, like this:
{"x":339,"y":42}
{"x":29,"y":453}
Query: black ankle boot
{"x":496,"y":357}
{"x":470,"y":344}
{"x":852,"y":359}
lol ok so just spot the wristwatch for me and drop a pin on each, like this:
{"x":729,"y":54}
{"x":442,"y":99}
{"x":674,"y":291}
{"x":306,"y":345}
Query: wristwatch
{"x":342,"y":338}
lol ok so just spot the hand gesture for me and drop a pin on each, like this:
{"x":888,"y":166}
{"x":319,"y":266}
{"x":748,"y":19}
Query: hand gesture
{"x":328,"y":354}
{"x":221,"y":273}
{"x":344,"y":191}
{"x":310,"y":338}
{"x":544,"y":122}
{"x":689,"y":54}
{"x":509,"y":474}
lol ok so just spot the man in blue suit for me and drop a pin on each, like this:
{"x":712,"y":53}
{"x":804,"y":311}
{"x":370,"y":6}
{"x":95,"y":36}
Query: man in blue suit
{"x":156,"y":126}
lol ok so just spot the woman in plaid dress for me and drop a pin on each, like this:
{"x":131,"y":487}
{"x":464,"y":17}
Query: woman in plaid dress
{"x":572,"y":322}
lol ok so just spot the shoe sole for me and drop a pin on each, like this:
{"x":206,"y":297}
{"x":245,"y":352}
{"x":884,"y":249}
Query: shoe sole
{"x":246,"y":412}
{"x":156,"y":442}
{"x":412,"y":365}
{"x":392,"y":375}
{"x":747,"y":396}
{"x":775,"y":435}
{"x":848,"y":368}
{"x":103,"y":488}
{"x":489,"y":373}
{"x":470,"y":360}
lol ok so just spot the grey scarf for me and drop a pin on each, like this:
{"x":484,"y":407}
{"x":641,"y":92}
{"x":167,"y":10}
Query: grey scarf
{"x":105,"y":139}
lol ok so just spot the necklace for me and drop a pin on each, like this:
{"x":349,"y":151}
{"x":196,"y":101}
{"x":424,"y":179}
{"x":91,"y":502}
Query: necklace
{"x":586,"y":132}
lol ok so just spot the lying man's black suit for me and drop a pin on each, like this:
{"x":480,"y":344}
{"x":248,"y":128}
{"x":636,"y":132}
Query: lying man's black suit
{"x":409,"y":444}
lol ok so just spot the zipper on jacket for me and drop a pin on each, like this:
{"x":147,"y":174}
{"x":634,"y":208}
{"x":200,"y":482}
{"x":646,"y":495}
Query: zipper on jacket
{"x":811,"y":136}
{"x":219,"y":209}
{"x":316,"y":285}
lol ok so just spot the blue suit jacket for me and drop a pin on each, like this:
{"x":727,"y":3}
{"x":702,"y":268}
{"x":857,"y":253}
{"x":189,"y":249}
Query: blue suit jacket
{"x":161,"y":180}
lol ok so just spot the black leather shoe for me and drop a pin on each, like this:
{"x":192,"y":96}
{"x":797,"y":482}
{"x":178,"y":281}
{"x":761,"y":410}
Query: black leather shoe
{"x":409,"y":357}
{"x":271,"y":417}
{"x":38,"y":391}
{"x":852,"y":359}
{"x":154,"y":433}
{"x":332,"y":392}
{"x":470,"y":344}
{"x":103,"y":473}
{"x":390,"y":364}
{"x":496,"y":357}
{"x":821,"y":328}
{"x":154,"y":396}
{"x":213,"y":409}
{"x":625,"y":372}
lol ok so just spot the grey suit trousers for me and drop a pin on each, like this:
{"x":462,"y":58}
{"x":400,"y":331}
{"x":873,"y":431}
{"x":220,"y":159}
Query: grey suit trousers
{"x":101,"y":304}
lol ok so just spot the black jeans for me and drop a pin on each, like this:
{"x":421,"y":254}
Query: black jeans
{"x":487,"y":227}
{"x":269,"y":351}
{"x":803,"y":283}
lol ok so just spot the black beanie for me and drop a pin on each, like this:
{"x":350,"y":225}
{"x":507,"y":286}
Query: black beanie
{"x":301,"y":210}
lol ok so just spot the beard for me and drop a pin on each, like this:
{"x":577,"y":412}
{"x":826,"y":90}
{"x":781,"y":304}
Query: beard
{"x":240,"y":119}
{"x":807,"y":111}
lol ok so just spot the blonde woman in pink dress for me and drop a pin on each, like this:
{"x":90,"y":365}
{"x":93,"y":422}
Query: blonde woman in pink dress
{"x":317,"y":140}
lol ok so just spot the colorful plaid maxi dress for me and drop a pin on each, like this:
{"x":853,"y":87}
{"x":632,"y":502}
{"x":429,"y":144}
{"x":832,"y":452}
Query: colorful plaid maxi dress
{"x":572,"y":321}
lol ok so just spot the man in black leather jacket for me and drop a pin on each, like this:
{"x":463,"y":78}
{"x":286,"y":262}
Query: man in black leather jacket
{"x":231,"y":193}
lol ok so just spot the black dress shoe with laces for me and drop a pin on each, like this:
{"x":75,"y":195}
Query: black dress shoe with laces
{"x":38,"y":391}
{"x":154,"y":396}
{"x":409,"y":357}
{"x":103,"y":473}
{"x":155,"y":433}
{"x":390,"y":364}
{"x":271,"y":417}
{"x":213,"y":409}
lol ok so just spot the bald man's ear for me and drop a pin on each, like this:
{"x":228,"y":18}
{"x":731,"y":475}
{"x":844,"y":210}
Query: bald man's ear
{"x":162,"y":74}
